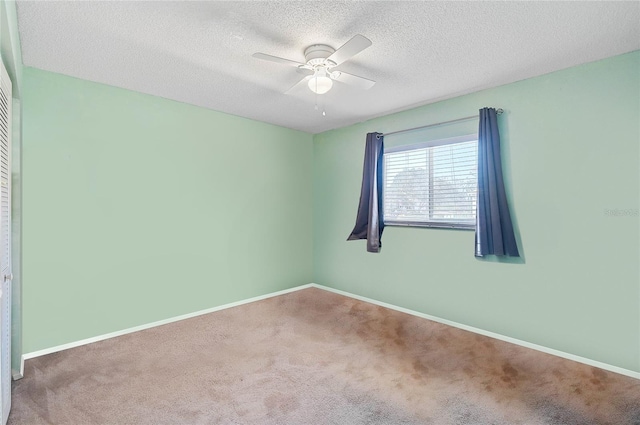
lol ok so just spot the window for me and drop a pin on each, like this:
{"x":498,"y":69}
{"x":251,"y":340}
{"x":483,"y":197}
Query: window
{"x":432,"y":184}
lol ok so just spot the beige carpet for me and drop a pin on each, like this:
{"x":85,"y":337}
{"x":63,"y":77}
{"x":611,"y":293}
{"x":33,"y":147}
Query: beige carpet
{"x":314,"y":357}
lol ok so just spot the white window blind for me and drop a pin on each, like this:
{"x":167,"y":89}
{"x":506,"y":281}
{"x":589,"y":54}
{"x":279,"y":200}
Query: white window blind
{"x":432,"y":184}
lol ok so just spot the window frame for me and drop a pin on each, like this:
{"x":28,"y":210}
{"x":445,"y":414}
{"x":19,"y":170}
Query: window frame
{"x":422,"y":145}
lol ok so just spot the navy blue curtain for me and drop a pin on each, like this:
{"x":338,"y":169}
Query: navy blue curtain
{"x":494,"y":229}
{"x":369,"y":221}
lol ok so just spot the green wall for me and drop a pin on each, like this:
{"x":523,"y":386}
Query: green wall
{"x":138,"y":209}
{"x":571,"y":151}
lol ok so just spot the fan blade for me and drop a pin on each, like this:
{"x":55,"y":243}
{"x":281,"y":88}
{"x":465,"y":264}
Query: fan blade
{"x":353,"y":80}
{"x":351,"y":48}
{"x":299,"y":84}
{"x":305,"y":71}
{"x":276,"y":59}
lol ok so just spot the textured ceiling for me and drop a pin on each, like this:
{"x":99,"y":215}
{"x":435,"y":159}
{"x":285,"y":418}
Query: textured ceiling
{"x":200,"y":52}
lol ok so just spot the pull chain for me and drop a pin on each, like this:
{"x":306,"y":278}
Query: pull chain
{"x":324,"y":114}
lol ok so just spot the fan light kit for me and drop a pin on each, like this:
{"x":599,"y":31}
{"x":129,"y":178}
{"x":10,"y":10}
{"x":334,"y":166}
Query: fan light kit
{"x":320,"y":83}
{"x":320,"y":61}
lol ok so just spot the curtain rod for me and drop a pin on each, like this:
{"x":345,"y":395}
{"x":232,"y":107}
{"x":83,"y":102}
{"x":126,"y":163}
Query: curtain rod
{"x":498,"y":111}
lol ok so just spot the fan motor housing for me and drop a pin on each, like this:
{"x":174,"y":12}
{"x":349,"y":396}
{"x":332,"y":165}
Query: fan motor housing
{"x":317,"y":54}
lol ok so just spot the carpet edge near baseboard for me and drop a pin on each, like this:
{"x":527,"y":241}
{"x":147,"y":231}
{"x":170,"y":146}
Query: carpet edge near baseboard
{"x":66,"y":346}
{"x":483,"y":332}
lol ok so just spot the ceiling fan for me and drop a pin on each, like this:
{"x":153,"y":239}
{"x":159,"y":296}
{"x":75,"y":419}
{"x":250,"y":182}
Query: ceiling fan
{"x":320,"y":63}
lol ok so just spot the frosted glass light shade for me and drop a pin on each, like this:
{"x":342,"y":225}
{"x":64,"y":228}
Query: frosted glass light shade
{"x":320,"y":84}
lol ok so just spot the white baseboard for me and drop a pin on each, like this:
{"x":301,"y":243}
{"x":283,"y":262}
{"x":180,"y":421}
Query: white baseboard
{"x":526,"y":344}
{"x":15,"y":375}
{"x":18,"y":374}
{"x":74,"y":344}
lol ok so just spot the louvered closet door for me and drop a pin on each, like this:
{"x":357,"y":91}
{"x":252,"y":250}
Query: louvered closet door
{"x":5,"y":243}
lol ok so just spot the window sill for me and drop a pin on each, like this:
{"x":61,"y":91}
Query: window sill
{"x":453,"y":226}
